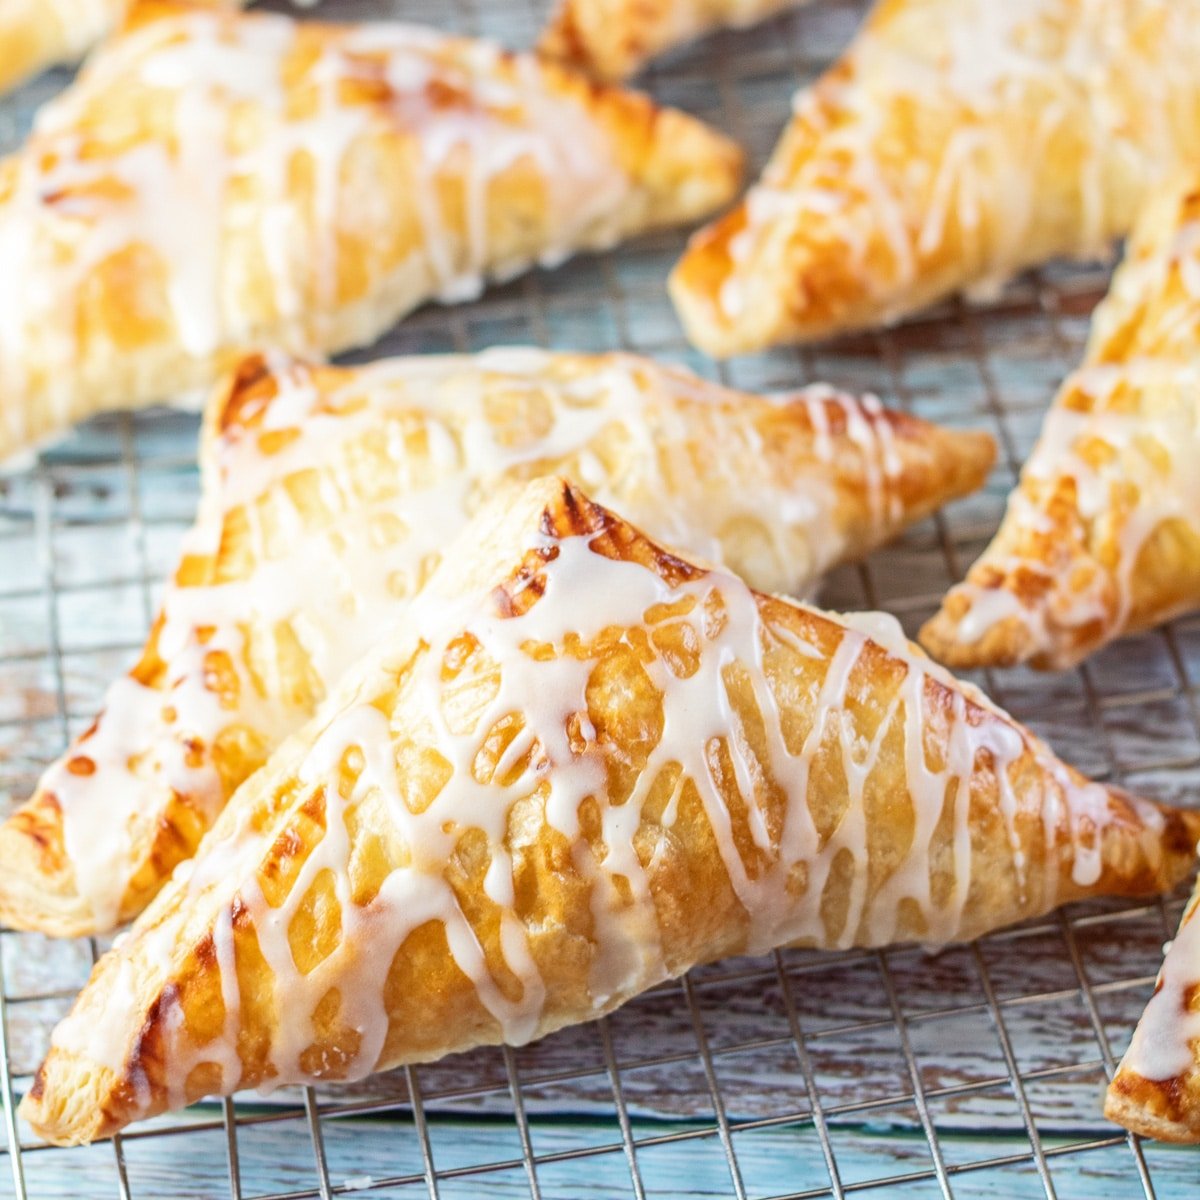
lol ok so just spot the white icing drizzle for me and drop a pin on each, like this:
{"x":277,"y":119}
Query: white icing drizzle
{"x":331,"y":573}
{"x":463,"y":110}
{"x":1166,"y":1043}
{"x":994,"y":89}
{"x":546,"y":656}
{"x":1125,"y":422}
{"x":988,"y":608}
{"x":99,"y":1037}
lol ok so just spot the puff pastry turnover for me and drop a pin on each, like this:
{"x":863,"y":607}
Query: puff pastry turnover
{"x":1156,"y":1090}
{"x":218,"y":181}
{"x":580,"y":765}
{"x":329,"y":495}
{"x":1102,"y":534}
{"x":613,"y":39}
{"x":957,"y":142}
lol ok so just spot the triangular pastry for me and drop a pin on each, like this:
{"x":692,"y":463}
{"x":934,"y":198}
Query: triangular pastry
{"x":579,"y":766}
{"x":1102,"y":534}
{"x":613,"y":39}
{"x":329,"y":495}
{"x":1156,"y":1090}
{"x":218,"y":181}
{"x":956,"y":143}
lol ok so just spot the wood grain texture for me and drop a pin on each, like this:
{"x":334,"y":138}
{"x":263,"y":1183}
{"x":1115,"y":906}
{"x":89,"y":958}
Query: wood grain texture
{"x":98,"y":524}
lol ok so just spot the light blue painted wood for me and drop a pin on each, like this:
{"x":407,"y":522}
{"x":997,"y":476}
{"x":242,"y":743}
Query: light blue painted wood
{"x":365,"y":1153}
{"x":853,"y":1043}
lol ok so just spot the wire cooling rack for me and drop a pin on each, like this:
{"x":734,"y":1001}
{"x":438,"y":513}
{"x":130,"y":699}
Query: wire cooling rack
{"x":977,"y":1072}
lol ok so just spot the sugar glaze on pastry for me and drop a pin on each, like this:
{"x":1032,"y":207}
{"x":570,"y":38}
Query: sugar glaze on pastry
{"x":956,"y":143}
{"x":328,"y":497}
{"x":580,"y":765}
{"x":217,"y":181}
{"x":1156,"y":1090}
{"x":1102,"y":533}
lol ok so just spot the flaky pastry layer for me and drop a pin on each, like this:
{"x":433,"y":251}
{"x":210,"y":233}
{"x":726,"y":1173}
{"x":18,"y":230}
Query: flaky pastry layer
{"x":581,"y":765}
{"x":955,"y":143}
{"x":330,"y":494}
{"x":218,"y":181}
{"x":1102,"y":533}
{"x":1156,"y":1090}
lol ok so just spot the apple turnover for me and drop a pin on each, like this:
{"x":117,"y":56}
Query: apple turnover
{"x":217,"y":181}
{"x":329,"y":494}
{"x":1156,"y":1090}
{"x":580,"y":765}
{"x":613,"y":39}
{"x":1102,"y":533}
{"x":956,"y":143}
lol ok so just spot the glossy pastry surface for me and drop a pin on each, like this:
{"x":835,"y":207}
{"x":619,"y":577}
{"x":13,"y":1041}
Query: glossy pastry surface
{"x":956,"y":143}
{"x":581,"y":765}
{"x":1102,"y":533}
{"x":217,"y":182}
{"x":329,"y":495}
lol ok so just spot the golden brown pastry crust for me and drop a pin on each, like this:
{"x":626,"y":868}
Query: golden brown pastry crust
{"x":329,"y":495}
{"x":582,"y":766}
{"x":613,"y":39}
{"x":1102,"y":534}
{"x":215,"y":182}
{"x":38,"y":34}
{"x":956,"y":143}
{"x":1156,"y":1090}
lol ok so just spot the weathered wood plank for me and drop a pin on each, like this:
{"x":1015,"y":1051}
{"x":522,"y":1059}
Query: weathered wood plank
{"x":1143,"y":729}
{"x":364,"y":1154}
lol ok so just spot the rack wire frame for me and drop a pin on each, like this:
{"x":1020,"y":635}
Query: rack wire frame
{"x":88,"y":530}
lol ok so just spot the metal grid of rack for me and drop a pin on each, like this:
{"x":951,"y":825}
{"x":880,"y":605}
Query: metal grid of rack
{"x":976,"y":1072}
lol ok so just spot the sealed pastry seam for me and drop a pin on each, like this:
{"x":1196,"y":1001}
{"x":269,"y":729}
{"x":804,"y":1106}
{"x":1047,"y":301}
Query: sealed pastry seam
{"x":580,"y":765}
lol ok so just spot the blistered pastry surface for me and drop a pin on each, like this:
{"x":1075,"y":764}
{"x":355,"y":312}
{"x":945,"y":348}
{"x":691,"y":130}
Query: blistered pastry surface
{"x":331,"y":496}
{"x":522,"y":795}
{"x":952,"y":146}
{"x":215,"y":181}
{"x":1102,"y":534}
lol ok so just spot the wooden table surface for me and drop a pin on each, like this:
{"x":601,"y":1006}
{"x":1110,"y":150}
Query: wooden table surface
{"x":976,"y":1072}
